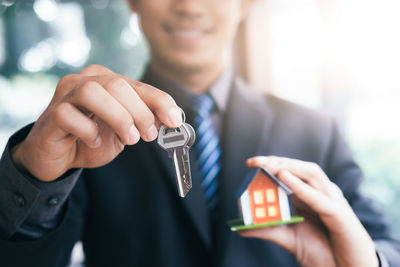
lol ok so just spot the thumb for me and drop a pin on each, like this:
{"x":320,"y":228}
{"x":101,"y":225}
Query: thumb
{"x":283,"y":236}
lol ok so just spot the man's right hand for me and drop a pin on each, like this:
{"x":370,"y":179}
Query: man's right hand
{"x":90,"y":119}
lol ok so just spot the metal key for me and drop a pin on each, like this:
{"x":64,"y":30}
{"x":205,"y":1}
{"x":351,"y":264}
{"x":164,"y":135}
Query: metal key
{"x":177,"y":141}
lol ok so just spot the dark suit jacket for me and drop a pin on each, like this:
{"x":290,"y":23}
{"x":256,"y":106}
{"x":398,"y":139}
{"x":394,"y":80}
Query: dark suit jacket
{"x":128,"y":213}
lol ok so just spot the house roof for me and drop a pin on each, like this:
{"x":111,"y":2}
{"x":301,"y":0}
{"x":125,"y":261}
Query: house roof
{"x":251,"y":176}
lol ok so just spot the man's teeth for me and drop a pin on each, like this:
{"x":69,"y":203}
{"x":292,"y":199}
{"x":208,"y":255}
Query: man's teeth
{"x":190,"y":34}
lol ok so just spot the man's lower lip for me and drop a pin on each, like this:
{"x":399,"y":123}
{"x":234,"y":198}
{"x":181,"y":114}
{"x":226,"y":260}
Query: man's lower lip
{"x":187,"y":35}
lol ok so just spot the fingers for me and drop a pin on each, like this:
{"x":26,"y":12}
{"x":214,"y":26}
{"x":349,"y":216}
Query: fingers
{"x":143,"y":118}
{"x":95,"y":70}
{"x":264,"y":162}
{"x":113,"y":99}
{"x":72,"y":121}
{"x":280,"y":166}
{"x":92,"y":97}
{"x":157,"y":101}
{"x":313,"y":198}
{"x":161,"y":103}
{"x":307,"y":181}
{"x":132,"y":109}
{"x":334,"y":211}
{"x":309,"y":172}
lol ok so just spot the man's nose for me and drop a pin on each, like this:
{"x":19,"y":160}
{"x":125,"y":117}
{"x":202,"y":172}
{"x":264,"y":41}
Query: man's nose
{"x":191,"y":9}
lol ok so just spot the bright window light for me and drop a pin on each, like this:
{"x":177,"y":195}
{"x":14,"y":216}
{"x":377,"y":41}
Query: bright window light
{"x":38,"y":58}
{"x":46,"y":10}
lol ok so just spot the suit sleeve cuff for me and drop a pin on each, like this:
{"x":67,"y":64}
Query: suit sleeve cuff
{"x":25,"y":199}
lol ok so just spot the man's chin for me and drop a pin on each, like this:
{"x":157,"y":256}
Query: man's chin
{"x":189,"y":64}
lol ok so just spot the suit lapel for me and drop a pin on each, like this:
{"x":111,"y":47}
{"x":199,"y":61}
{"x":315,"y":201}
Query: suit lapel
{"x":246,"y":128}
{"x":194,"y":202}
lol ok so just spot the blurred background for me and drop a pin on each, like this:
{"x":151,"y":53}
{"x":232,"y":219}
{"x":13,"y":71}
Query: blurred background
{"x":341,"y":57}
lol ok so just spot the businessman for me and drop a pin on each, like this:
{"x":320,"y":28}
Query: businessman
{"x":88,"y":168}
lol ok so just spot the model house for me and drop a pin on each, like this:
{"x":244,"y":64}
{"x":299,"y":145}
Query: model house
{"x":264,"y":199}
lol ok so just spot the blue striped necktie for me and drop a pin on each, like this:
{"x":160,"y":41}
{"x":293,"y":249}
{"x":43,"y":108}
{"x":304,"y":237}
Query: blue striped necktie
{"x":207,"y":150}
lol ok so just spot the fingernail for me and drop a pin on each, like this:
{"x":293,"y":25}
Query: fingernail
{"x":134,"y":135}
{"x":152,"y":132}
{"x":175,"y":116}
{"x":97,"y":142}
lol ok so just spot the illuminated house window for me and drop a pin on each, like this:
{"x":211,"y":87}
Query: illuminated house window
{"x":260,"y":212}
{"x":258,"y":197}
{"x":272,"y":212}
{"x":271,"y":197}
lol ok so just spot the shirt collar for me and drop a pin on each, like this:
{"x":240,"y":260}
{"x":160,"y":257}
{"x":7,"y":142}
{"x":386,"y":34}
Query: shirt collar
{"x":219,"y":90}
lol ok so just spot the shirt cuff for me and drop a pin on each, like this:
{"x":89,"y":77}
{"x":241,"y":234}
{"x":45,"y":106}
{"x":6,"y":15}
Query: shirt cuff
{"x":388,"y":251}
{"x":25,"y":199}
{"x":382,"y":259}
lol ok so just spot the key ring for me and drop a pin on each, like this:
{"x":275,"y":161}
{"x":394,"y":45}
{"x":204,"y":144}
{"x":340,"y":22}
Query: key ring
{"x":183,"y":115}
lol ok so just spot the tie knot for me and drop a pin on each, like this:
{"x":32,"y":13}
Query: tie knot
{"x":203,"y":105}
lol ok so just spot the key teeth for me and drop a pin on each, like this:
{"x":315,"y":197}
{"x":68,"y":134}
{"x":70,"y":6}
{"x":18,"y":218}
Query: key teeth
{"x":184,"y":192}
{"x":183,"y":189}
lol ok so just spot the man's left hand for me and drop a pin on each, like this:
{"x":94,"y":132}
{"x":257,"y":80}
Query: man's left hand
{"x":331,"y":234}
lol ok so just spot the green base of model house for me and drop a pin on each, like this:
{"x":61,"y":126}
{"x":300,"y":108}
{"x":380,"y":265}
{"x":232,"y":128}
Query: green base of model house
{"x":237,"y":224}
